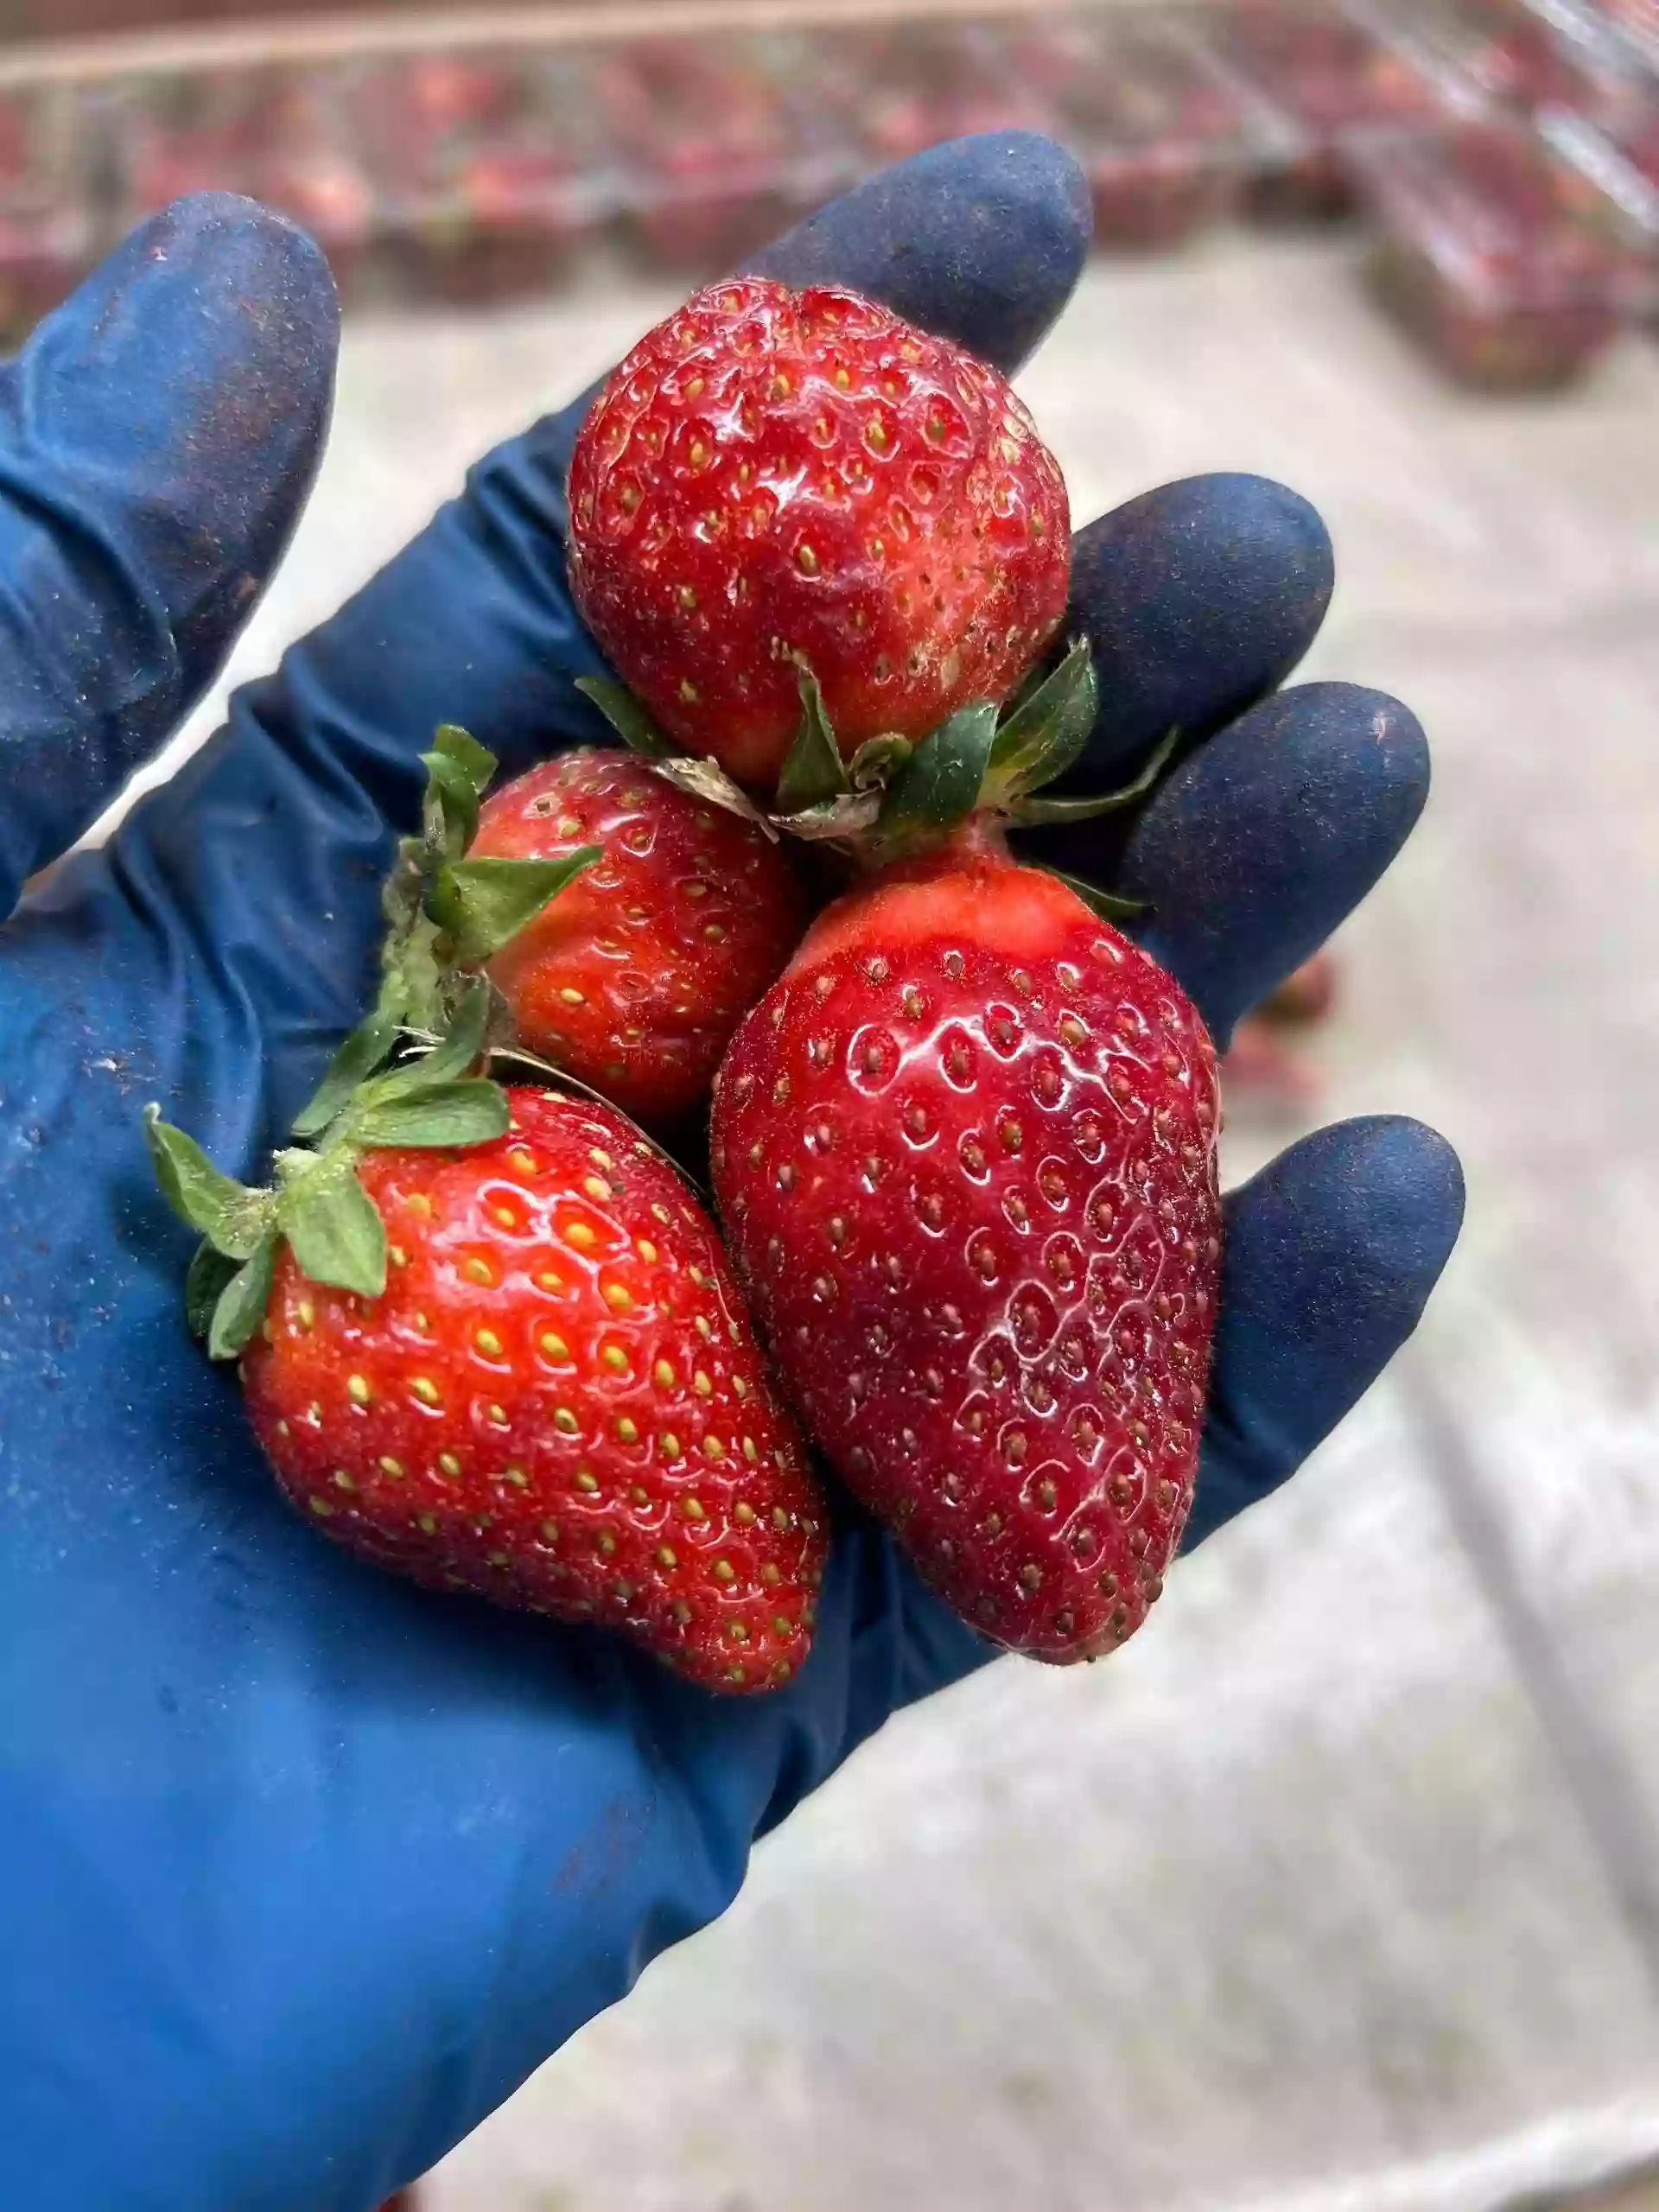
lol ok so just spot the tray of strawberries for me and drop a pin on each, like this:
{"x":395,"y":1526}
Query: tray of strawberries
{"x":1336,"y":84}
{"x":714,"y":151}
{"x":1510,"y":265}
{"x":490,"y":168}
{"x":1619,"y":156}
{"x":960,"y":1249}
{"x":1167,"y":139}
{"x":892,"y":90}
{"x":1509,"y":53}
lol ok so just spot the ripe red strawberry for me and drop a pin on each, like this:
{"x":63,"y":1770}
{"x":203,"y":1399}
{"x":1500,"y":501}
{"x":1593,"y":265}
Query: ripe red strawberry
{"x":964,"y":1151}
{"x":635,"y":975}
{"x":774,"y":479}
{"x":527,"y":1376}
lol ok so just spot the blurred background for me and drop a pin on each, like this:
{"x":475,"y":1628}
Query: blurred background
{"x":1339,"y":1888}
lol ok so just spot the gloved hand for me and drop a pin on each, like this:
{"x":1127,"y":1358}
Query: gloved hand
{"x":302,"y":1870}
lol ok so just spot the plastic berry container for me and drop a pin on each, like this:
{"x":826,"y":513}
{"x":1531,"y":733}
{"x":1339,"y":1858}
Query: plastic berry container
{"x":1639,"y":19}
{"x":1336,"y":84}
{"x":1509,"y":265}
{"x":1509,"y":55}
{"x":485,"y":166}
{"x":1168,"y":142}
{"x":701,"y":132}
{"x":892,"y":91}
{"x":49,"y":233}
{"x":1620,"y":157}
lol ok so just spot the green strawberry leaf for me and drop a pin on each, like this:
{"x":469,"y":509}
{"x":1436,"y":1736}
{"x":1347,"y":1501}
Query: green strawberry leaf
{"x":209,"y":1275}
{"x":814,"y":771}
{"x":471,"y":1112}
{"x":939,"y":785}
{"x":227,"y":1213}
{"x":366,"y":1048}
{"x":1041,"y":813}
{"x":1029,"y":684}
{"x":242,"y":1303}
{"x":476,"y":762}
{"x":459,"y":1048}
{"x":331,"y":1223}
{"x":1108,"y":905}
{"x":1045,"y":733}
{"x":625,"y":716}
{"x":481,"y":903}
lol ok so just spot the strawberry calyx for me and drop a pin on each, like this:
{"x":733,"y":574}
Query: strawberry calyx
{"x":315,"y":1202}
{"x":414,"y":1073}
{"x":447,"y":915}
{"x":894,"y":798}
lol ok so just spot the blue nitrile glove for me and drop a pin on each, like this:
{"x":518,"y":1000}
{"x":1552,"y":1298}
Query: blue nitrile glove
{"x":301,"y":1870}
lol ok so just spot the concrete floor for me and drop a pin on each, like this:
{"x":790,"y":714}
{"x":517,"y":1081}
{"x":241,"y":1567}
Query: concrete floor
{"x":1340,"y":1887}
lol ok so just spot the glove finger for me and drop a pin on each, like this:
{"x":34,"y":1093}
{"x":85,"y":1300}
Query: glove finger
{"x":1197,"y":598}
{"x":158,"y":436}
{"x":1262,"y":841}
{"x":981,"y":240}
{"x":1269,"y":835}
{"x":1331,"y":1254}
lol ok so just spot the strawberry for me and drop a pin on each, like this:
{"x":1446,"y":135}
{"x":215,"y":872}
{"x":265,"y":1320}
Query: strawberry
{"x":488,"y":1341}
{"x":555,"y":1403}
{"x":625,"y":922}
{"x":965,"y":1153}
{"x":775,"y":480}
{"x":634,"y":978}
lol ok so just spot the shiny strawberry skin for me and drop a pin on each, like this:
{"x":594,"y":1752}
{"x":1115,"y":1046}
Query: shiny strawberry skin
{"x":772,"y":475}
{"x":558,"y":1403}
{"x":965,"y":1155}
{"x":635,"y":975}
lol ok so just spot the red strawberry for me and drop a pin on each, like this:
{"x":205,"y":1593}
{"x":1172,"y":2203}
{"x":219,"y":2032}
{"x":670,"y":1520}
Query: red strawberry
{"x":507,"y":1357}
{"x":775,"y":479}
{"x":964,"y":1150}
{"x":634,"y":977}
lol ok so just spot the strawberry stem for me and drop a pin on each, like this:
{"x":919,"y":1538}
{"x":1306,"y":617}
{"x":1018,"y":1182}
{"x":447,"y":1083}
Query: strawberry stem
{"x":627,"y":717}
{"x":1108,"y":904}
{"x":314,"y":1201}
{"x":447,"y":915}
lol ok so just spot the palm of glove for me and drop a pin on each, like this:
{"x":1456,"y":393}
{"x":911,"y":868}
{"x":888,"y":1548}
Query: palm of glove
{"x":305,"y":1870}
